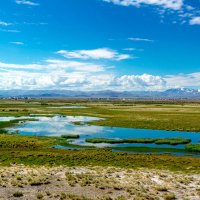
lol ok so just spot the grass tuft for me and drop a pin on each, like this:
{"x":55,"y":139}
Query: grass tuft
{"x":18,"y":194}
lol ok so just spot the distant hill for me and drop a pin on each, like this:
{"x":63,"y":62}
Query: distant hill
{"x":180,"y":93}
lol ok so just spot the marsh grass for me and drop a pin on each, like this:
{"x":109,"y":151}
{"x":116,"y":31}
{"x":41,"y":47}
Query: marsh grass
{"x":193,"y":147}
{"x":24,"y":142}
{"x":159,"y":115}
{"x":171,"y":141}
{"x":148,"y":149}
{"x":70,"y":136}
{"x":35,"y":151}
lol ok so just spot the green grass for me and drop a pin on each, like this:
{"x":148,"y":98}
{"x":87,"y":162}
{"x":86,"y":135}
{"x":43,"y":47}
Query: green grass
{"x":100,"y":157}
{"x":11,"y":123}
{"x":23,"y":142}
{"x":193,"y":147}
{"x":177,"y":116}
{"x":159,"y":115}
{"x":36,"y":151}
{"x":70,"y":136}
{"x":173,"y":141}
{"x":119,"y":141}
{"x":170,"y":141}
{"x":148,"y":149}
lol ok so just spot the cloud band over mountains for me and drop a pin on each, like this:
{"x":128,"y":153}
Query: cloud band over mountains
{"x":75,"y":75}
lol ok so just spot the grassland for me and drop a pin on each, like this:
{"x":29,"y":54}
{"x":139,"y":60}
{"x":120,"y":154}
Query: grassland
{"x":175,"y":116}
{"x":149,"y":149}
{"x":15,"y":149}
{"x":153,"y":115}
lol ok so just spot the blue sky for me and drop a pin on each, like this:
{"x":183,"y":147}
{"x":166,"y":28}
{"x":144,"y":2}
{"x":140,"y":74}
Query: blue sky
{"x":99,"y":44}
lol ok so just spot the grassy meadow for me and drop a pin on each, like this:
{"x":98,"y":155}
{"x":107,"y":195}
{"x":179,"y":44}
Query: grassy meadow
{"x":175,"y":116}
{"x":151,"y":115}
{"x":15,"y":149}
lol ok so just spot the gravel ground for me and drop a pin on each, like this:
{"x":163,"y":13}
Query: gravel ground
{"x":105,"y":183}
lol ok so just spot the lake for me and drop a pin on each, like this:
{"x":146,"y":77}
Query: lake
{"x":58,"y":125}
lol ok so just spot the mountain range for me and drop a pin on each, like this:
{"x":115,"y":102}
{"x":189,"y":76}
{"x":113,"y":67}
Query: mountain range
{"x":179,"y":93}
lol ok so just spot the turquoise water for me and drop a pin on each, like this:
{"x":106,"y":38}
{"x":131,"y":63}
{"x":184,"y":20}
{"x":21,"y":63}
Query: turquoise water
{"x":60,"y":125}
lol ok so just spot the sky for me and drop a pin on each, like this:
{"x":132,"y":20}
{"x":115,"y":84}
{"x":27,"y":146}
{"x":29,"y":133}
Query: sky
{"x":87,"y":45}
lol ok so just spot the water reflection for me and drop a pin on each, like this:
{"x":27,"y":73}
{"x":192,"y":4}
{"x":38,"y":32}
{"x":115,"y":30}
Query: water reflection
{"x":60,"y":125}
{"x":55,"y":126}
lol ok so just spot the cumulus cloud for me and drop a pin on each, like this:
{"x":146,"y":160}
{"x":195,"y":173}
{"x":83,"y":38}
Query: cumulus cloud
{"x":195,"y":21}
{"x":169,"y":4}
{"x":52,"y":74}
{"x":142,"y":82}
{"x":77,"y":81}
{"x":26,"y":2}
{"x":73,"y":75}
{"x":101,"y":53}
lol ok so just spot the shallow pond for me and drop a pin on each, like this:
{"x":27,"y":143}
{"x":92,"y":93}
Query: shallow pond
{"x":61,"y":125}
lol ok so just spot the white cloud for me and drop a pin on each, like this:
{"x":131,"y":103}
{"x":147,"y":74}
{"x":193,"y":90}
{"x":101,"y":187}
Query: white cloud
{"x":195,"y":21}
{"x":169,"y":4}
{"x":52,"y":74}
{"x":78,"y":81}
{"x":140,"y":39}
{"x":51,"y":65}
{"x":2,"y":23}
{"x":73,"y":75}
{"x":74,"y":65}
{"x":184,"y":80}
{"x":184,"y":11}
{"x":17,"y":43}
{"x":142,"y":82}
{"x":26,"y":2}
{"x":102,"y":53}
